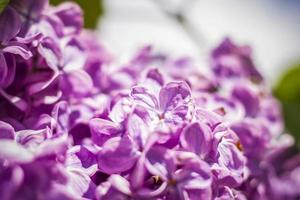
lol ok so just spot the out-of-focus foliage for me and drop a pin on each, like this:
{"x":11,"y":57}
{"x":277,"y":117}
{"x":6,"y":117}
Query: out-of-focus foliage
{"x":3,"y":4}
{"x":288,"y":92}
{"x":92,"y":9}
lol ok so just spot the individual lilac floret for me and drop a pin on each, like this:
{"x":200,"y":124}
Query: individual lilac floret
{"x":32,"y":174}
{"x":191,"y":181}
{"x":117,"y":155}
{"x":170,"y":105}
{"x":230,"y":60}
{"x":67,"y":60}
{"x":10,"y":24}
{"x":30,"y":12}
{"x":218,"y":148}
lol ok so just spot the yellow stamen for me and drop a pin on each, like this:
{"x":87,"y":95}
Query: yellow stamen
{"x":239,"y":146}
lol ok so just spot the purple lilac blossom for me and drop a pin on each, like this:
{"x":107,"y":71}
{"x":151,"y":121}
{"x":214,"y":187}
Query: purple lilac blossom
{"x":75,"y":123}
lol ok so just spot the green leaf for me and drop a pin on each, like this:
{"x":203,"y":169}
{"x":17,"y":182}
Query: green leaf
{"x":291,"y":113}
{"x":3,"y":3}
{"x":93,"y":9}
{"x":288,"y":93}
{"x":288,"y":88}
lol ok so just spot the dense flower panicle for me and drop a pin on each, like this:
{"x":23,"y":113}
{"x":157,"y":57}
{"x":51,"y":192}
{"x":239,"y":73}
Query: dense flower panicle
{"x":76,"y":123}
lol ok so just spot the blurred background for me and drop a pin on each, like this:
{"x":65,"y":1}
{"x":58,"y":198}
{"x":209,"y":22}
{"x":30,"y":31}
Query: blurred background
{"x":193,"y":27}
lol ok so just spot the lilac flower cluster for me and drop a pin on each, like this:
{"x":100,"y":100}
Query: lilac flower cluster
{"x":75,"y":123}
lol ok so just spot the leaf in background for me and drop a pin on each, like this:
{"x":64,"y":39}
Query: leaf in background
{"x":288,"y":92}
{"x":93,"y":9}
{"x":3,"y":3}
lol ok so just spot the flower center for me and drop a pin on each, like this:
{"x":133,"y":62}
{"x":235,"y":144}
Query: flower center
{"x":221,"y":111}
{"x":239,"y":146}
{"x":172,"y":182}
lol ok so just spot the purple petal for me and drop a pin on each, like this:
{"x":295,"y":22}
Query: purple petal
{"x":11,"y":62}
{"x":59,"y":192}
{"x":15,"y":101}
{"x":32,"y":138}
{"x":80,"y":131}
{"x":77,"y":83}
{"x":232,"y":60}
{"x":229,"y":193}
{"x":30,"y":11}
{"x":30,"y":38}
{"x":248,"y":98}
{"x":53,"y":147}
{"x":72,"y":48}
{"x":209,"y":118}
{"x":159,"y":162}
{"x":197,"y":138}
{"x":231,"y":164}
{"x":31,"y":8}
{"x":120,"y":109}
{"x":42,"y":122}
{"x":51,"y":52}
{"x":117,"y":155}
{"x":144,"y":97}
{"x":10,"y":24}
{"x":155,"y":75}
{"x":195,"y":175}
{"x":253,"y":137}
{"x":80,"y":183}
{"x":71,"y":15}
{"x":48,"y":81}
{"x":18,"y":49}
{"x":81,"y":158}
{"x":138,"y":129}
{"x":143,"y":55}
{"x":102,"y":130}
{"x":14,"y":153}
{"x":49,"y":26}
{"x":10,"y":179}
{"x":3,"y":69}
{"x":152,"y":194}
{"x":173,"y":94}
{"x":6,"y":131}
{"x":60,"y":113}
{"x":106,"y":191}
{"x":198,"y":194}
{"x":120,"y":184}
{"x":138,"y":173}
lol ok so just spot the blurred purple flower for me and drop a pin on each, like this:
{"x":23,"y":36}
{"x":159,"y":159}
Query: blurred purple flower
{"x":230,"y":60}
{"x":10,"y":24}
{"x":77,"y":124}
